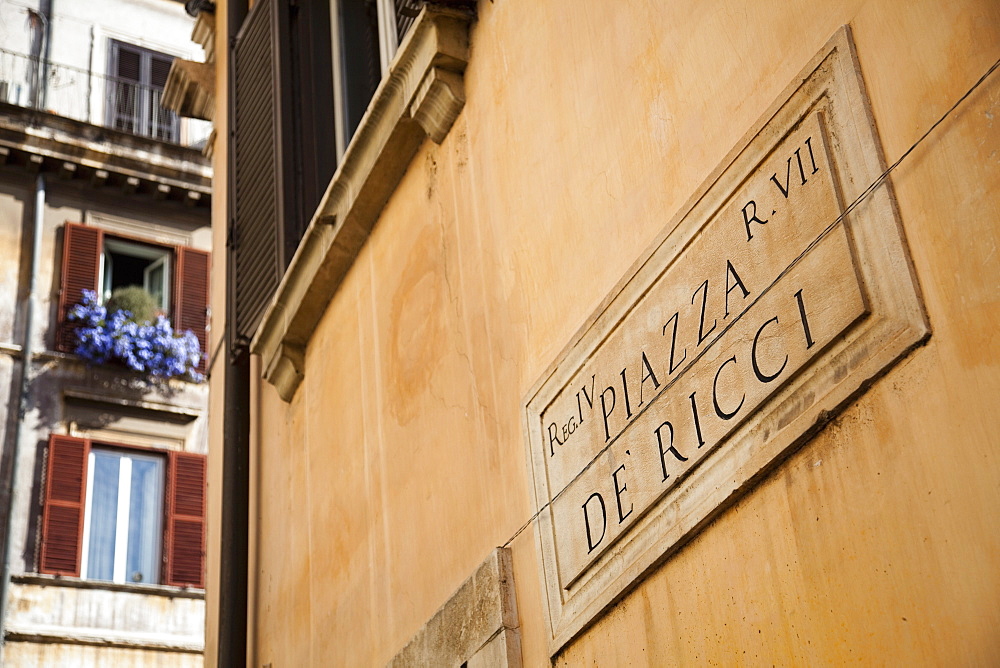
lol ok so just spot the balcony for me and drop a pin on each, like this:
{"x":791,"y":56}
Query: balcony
{"x":112,"y":102}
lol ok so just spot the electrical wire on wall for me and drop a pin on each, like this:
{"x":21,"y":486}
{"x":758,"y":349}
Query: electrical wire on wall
{"x":879,"y":181}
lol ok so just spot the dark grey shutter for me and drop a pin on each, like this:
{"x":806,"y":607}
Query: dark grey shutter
{"x":255,"y":238}
{"x":163,"y":123}
{"x":283,"y":146}
{"x":124,"y":92}
{"x":129,"y":63}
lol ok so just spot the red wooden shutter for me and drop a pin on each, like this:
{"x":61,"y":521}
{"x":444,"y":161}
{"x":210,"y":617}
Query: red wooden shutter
{"x":185,"y":535}
{"x":62,"y":514}
{"x":80,"y":267}
{"x":191,"y":294}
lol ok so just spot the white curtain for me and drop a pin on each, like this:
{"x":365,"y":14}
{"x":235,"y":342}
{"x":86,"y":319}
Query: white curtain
{"x":142,"y":563}
{"x":103,"y":516}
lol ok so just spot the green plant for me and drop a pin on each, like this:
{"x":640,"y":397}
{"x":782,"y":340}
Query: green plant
{"x":136,"y":301}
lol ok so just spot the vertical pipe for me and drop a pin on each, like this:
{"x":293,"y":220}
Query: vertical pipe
{"x":234,"y":552}
{"x":233,"y":562}
{"x":90,"y":78}
{"x":27,"y":352}
{"x":45,"y":8}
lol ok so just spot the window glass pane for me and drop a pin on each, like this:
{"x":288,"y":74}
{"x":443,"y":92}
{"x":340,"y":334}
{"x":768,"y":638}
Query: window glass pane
{"x":154,"y":279}
{"x":360,"y":59}
{"x":103,"y":517}
{"x":132,"y":264}
{"x":145,"y":511}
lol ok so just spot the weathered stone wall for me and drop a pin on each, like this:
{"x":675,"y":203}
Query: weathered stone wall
{"x":49,"y":623}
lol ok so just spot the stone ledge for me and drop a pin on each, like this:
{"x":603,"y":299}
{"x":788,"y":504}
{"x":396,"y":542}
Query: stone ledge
{"x":420,"y":97}
{"x":165,"y":591}
{"x":476,"y":627}
{"x":92,"y":146}
{"x":61,"y":635}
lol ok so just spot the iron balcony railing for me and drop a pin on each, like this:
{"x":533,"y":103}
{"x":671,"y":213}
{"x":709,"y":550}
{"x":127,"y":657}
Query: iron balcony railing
{"x":87,"y":96}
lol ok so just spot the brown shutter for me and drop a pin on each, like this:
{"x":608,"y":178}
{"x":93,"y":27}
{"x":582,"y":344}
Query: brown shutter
{"x":185,"y":535}
{"x":191,"y":294}
{"x":80,"y":267}
{"x":62,"y":514}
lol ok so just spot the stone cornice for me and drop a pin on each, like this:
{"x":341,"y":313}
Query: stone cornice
{"x":204,"y":34}
{"x":420,"y":97}
{"x":190,"y":89}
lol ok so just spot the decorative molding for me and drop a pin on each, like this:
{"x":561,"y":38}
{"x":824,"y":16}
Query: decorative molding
{"x":161,"y":409}
{"x":420,"y":97}
{"x":155,"y":232}
{"x":190,"y":89}
{"x":437,"y":102}
{"x":287,"y":369}
{"x":43,"y":141}
{"x":204,"y":34}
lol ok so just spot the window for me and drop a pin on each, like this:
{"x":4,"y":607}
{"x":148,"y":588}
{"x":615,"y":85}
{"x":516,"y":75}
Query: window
{"x":176,"y":276}
{"x":136,"y":77}
{"x":125,"y":263}
{"x":122,"y":514}
{"x":366,"y":36}
{"x":122,"y":525}
{"x":292,"y":64}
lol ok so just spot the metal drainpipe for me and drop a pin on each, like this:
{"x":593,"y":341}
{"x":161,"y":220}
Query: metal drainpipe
{"x":45,"y":7}
{"x":90,"y":77}
{"x":27,"y":352}
{"x":235,"y":511}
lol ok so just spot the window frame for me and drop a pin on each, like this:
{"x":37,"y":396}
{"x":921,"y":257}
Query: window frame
{"x":183,"y":512}
{"x":123,"y":245}
{"x":149,"y":119}
{"x":123,"y":510}
{"x":388,"y":38}
{"x":82,"y":256}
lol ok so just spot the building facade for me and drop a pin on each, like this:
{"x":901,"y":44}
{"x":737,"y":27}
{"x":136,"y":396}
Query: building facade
{"x":635,"y":333}
{"x":103,"y":466}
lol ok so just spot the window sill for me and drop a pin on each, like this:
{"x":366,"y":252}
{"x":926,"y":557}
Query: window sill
{"x":77,"y":583}
{"x":420,"y":97}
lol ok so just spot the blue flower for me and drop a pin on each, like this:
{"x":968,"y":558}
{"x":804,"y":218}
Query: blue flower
{"x":150,"y":348}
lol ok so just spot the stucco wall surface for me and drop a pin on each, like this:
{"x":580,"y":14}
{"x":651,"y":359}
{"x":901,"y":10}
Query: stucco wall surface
{"x":399,"y":464}
{"x":32,"y":655}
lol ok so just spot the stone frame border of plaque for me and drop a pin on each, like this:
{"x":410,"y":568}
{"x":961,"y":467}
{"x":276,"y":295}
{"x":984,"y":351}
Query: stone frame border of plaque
{"x":895,"y":323}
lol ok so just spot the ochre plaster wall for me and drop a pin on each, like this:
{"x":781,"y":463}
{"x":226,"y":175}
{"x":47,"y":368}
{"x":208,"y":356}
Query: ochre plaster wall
{"x":217,"y":335}
{"x":400,"y":464}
